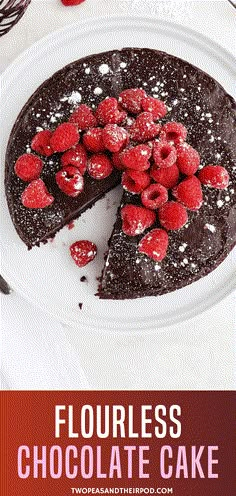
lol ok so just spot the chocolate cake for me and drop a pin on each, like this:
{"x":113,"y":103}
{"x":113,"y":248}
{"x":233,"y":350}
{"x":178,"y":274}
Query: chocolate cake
{"x":192,"y":98}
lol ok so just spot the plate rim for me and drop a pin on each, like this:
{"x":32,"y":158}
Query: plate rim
{"x":6,"y":76}
{"x":68,"y":27}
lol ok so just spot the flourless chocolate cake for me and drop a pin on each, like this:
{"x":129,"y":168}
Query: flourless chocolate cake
{"x":193,"y":99}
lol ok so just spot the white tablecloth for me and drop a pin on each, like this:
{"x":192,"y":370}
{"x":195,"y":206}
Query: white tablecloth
{"x":39,"y":352}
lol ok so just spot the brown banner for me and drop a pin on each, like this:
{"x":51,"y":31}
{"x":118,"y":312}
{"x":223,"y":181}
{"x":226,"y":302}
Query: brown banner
{"x":115,"y":442}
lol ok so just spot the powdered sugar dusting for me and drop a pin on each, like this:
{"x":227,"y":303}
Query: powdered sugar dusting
{"x":103,"y":69}
{"x":74,"y":98}
{"x":98,"y":91}
{"x":210,"y":227}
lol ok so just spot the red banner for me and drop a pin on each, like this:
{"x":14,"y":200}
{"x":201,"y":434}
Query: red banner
{"x":115,"y":442}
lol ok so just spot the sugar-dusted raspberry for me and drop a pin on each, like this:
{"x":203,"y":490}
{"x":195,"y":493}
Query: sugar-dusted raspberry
{"x":164,"y":154}
{"x":131,"y":100}
{"x":173,"y":132}
{"x":154,"y":196}
{"x":189,"y":192}
{"x":99,"y":166}
{"x":144,"y":128}
{"x":84,"y":117}
{"x":114,"y":137}
{"x":137,"y":157}
{"x":117,"y":161}
{"x":188,"y":159}
{"x":108,"y":112}
{"x":36,"y":195}
{"x":77,"y":157}
{"x":135,"y":181}
{"x":41,"y":143}
{"x":64,"y":137}
{"x":154,"y":244}
{"x":136,"y":219}
{"x":93,"y":140}
{"x":156,"y":107}
{"x":214,"y":176}
{"x":28,"y":167}
{"x":172,"y":215}
{"x":70,"y":181}
{"x":83,"y":252}
{"x":168,"y":176}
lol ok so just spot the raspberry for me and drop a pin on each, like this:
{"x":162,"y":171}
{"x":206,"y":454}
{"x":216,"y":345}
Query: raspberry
{"x":108,"y":112}
{"x":188,"y":159}
{"x":172,"y":215}
{"x":64,"y":137}
{"x":99,"y":166}
{"x":168,"y":177}
{"x":136,"y":219}
{"x":173,"y":132}
{"x":93,"y":140}
{"x":189,"y":192}
{"x":164,"y":154}
{"x":28,"y":167}
{"x":77,"y":157}
{"x":117,"y":161}
{"x":114,"y":137}
{"x":137,"y":157}
{"x":84,"y":118}
{"x":83,"y":252}
{"x":214,"y":176}
{"x":131,"y":100}
{"x":68,"y":3}
{"x":154,"y":196}
{"x":156,"y":107}
{"x":70,"y":181}
{"x":41,"y":143}
{"x":154,"y":244}
{"x":36,"y":195}
{"x":144,"y":128}
{"x":135,"y":181}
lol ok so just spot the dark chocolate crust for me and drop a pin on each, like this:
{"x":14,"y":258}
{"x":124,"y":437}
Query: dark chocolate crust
{"x":194,"y":99}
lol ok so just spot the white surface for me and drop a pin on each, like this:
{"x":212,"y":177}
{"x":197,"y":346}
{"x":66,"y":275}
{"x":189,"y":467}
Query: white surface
{"x":178,"y":358}
{"x":36,"y":352}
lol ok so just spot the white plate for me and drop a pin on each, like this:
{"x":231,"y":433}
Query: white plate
{"x":47,"y":276}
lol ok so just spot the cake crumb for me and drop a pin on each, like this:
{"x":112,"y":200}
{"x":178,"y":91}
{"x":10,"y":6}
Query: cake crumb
{"x":71,"y":225}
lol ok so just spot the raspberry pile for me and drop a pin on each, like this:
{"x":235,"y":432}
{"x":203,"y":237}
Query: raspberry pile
{"x":154,"y":158}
